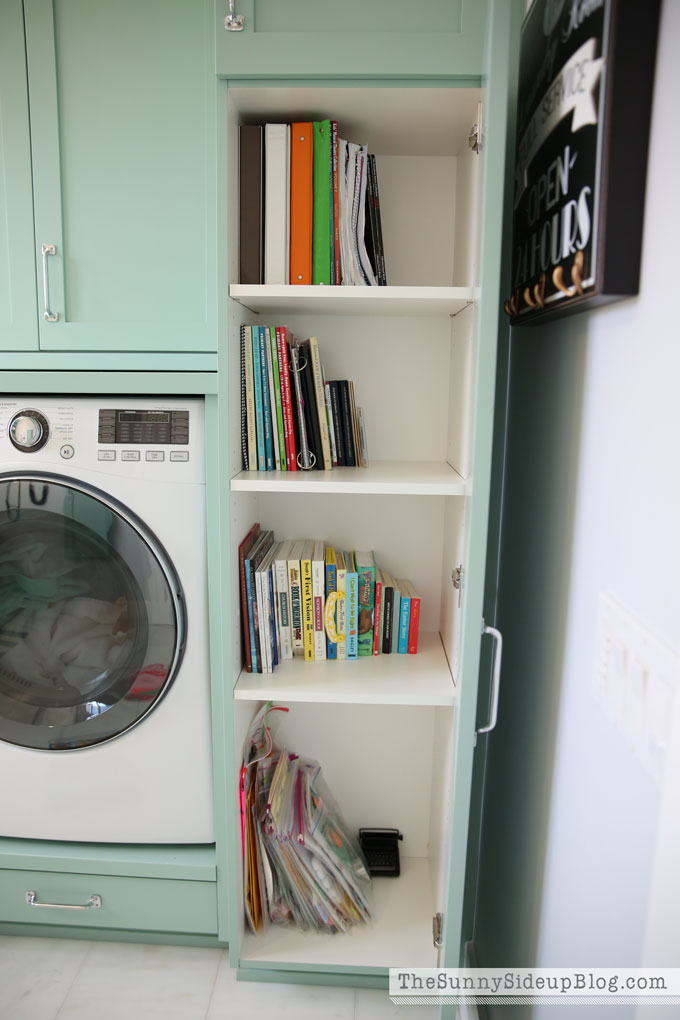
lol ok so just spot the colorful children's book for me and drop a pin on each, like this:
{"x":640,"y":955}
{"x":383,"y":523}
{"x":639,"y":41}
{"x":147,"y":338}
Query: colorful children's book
{"x":365,"y":566}
{"x":352,"y":596}
{"x":252,"y":562}
{"x":320,"y":397}
{"x":396,"y":613}
{"x":266,"y":403}
{"x":414,"y":618}
{"x":330,"y":616}
{"x":265,"y":611}
{"x":387,"y":611}
{"x":338,"y":430}
{"x":243,"y":551}
{"x":278,"y":403}
{"x":283,"y":552}
{"x":307,"y":599}
{"x":272,"y":397}
{"x":331,"y":427}
{"x":404,"y":616}
{"x":378,"y":615}
{"x":318,"y":594}
{"x":287,"y":399}
{"x":259,"y":415}
{"x":341,"y":605}
{"x":295,"y":594}
{"x":250,"y":398}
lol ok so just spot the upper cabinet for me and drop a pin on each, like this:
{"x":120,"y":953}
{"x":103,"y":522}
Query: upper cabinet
{"x":352,"y":39}
{"x":122,"y":154}
{"x":18,"y":318}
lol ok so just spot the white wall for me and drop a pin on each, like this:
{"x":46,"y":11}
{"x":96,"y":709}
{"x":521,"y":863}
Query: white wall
{"x":606,"y":814}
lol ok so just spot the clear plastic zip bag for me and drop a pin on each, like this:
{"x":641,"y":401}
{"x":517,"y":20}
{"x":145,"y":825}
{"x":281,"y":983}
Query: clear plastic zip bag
{"x":300,"y":865}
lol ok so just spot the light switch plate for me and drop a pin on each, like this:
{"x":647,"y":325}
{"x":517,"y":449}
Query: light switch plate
{"x":635,"y":682}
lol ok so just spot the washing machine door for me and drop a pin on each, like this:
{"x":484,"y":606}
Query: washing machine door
{"x":92,"y":617}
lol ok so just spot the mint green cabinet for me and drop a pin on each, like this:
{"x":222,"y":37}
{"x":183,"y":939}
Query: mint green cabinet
{"x":425,"y":496}
{"x":122,"y":125}
{"x":352,"y":39}
{"x":18,"y":315}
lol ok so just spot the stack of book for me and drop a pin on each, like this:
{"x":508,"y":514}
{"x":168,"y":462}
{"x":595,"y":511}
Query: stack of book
{"x":291,"y":417}
{"x":303,"y":598}
{"x":309,"y":207}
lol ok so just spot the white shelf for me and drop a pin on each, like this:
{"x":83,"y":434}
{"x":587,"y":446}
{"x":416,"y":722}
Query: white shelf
{"x":421,"y":679}
{"x":400,"y":934}
{"x":322,"y":300}
{"x":387,"y":477}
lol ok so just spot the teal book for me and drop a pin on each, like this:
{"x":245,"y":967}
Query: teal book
{"x":321,"y":208}
{"x":352,"y":596}
{"x":404,"y":618}
{"x":396,"y":610}
{"x":266,"y":403}
{"x":277,"y":398}
{"x":259,"y":418}
{"x":365,"y":564}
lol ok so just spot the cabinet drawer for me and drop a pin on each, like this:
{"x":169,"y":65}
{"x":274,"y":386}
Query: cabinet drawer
{"x":145,"y":904}
{"x":383,"y":38}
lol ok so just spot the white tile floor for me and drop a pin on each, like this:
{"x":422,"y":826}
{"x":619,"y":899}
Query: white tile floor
{"x":60,"y":979}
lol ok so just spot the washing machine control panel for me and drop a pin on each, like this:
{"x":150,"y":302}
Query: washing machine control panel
{"x":29,"y":430}
{"x":159,"y":439}
{"x":140,"y":426}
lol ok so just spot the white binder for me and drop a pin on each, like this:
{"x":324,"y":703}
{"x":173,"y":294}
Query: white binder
{"x":276,"y":203}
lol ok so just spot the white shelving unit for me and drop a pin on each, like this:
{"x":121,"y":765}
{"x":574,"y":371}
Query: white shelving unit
{"x":422,"y":679}
{"x":387,"y":477}
{"x":383,"y":728}
{"x":421,"y":301}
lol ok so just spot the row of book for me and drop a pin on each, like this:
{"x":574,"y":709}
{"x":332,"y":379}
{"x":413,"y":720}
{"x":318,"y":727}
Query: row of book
{"x":309,"y":207}
{"x":291,"y":417}
{"x":303,"y":598}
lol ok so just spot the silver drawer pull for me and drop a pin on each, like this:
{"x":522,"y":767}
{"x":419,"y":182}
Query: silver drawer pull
{"x":233,"y":22}
{"x":94,"y":903}
{"x":47,"y":249}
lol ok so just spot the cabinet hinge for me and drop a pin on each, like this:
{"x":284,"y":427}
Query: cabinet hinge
{"x":437,"y":930}
{"x":457,"y":578}
{"x":475,"y":138}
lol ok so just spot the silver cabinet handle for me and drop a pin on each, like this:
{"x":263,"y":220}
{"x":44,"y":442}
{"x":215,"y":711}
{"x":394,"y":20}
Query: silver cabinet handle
{"x":496,"y":682}
{"x":48,"y":249}
{"x":233,"y":22}
{"x":94,"y":903}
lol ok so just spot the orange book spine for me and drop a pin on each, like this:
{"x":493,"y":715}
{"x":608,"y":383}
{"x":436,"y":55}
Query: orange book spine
{"x":301,"y":203}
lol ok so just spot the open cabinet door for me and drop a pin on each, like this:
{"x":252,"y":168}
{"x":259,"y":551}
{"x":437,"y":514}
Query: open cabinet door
{"x":475,"y":694}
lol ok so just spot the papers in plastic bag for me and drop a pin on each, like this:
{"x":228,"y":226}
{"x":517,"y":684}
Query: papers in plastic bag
{"x":300,"y":865}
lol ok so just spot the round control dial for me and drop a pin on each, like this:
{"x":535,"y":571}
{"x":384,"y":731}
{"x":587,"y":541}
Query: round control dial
{"x":29,"y":430}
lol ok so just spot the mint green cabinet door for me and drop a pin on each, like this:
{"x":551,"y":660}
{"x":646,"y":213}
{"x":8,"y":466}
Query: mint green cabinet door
{"x":352,"y":38}
{"x":18,"y":300}
{"x":122,"y":130}
{"x":502,"y":50}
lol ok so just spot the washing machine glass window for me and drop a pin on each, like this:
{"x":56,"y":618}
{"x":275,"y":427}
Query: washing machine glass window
{"x":92,"y":617}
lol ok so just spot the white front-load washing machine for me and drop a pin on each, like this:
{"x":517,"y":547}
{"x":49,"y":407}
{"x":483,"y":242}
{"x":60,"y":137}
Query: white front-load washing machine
{"x":104,"y":670}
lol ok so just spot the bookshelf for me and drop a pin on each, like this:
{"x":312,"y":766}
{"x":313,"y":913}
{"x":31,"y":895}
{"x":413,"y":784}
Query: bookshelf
{"x":422,"y":679}
{"x":384,"y":729}
{"x":421,"y":301}
{"x":387,"y":477}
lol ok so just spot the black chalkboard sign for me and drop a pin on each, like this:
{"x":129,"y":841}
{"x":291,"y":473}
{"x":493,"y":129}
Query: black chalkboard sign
{"x":584,"y":107}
